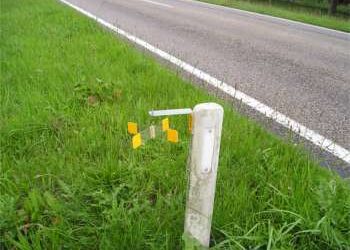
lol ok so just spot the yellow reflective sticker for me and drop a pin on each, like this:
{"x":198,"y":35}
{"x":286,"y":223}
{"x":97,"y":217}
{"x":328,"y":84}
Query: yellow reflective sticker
{"x":132,"y":128}
{"x":172,"y":135}
{"x":165,"y":124}
{"x":190,"y":122}
{"x":136,"y":141}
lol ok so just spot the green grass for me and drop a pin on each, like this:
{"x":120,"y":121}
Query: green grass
{"x":70,"y":180}
{"x":288,"y":11}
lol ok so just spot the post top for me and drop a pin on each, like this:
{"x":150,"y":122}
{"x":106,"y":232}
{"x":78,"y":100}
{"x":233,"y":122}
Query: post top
{"x":207,"y":106}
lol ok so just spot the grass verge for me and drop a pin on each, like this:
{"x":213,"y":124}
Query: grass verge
{"x":70,"y":180}
{"x":288,"y":12}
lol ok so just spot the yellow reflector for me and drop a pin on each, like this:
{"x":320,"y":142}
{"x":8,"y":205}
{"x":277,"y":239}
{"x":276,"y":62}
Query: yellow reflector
{"x":136,"y":141}
{"x":190,"y":122}
{"x":132,"y":128}
{"x":165,"y":124}
{"x":173,"y":135}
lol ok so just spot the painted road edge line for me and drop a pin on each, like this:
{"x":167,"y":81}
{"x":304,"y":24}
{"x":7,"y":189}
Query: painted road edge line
{"x":310,"y":135}
{"x":312,"y":27}
{"x":157,"y":3}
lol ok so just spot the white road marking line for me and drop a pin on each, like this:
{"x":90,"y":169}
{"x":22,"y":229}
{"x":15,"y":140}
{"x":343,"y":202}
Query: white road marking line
{"x":157,"y":3}
{"x":315,"y":28}
{"x":312,"y":136}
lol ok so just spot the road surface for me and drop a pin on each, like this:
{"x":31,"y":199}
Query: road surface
{"x":299,"y":70}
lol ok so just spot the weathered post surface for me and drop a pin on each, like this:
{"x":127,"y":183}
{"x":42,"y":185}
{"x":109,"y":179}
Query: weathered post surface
{"x":207,"y":126}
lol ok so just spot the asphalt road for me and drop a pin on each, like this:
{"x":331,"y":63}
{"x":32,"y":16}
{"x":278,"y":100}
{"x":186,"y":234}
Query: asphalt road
{"x":300,"y":70}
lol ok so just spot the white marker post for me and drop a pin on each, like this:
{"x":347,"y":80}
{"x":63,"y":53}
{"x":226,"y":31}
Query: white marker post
{"x":204,"y":158}
{"x":207,"y":125}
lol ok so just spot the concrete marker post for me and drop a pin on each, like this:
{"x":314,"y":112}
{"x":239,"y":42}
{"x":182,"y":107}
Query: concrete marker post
{"x":207,"y":126}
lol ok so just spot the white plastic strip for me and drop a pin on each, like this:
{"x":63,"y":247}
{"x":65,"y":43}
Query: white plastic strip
{"x":312,"y":136}
{"x":170,"y":112}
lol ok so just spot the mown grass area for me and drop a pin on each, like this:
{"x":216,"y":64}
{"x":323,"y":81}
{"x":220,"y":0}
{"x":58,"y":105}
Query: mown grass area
{"x":288,"y":11}
{"x":70,"y":180}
